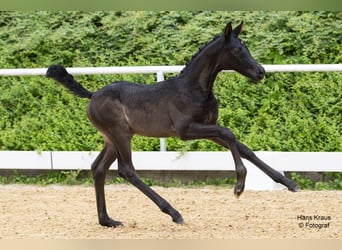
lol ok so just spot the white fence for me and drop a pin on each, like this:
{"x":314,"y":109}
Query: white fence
{"x":190,"y":161}
{"x":168,"y":69}
{"x":175,"y":161}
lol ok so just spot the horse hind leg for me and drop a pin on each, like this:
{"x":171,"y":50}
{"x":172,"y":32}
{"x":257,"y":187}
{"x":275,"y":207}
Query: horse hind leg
{"x":126,"y":170}
{"x":99,"y":170}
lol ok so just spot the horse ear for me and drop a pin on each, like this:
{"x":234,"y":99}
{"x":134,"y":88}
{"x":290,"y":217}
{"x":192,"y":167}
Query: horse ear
{"x":238,"y":29}
{"x":227,"y":30}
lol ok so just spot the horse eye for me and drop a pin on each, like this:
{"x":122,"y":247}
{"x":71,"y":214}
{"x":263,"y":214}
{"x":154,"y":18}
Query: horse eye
{"x":237,"y":50}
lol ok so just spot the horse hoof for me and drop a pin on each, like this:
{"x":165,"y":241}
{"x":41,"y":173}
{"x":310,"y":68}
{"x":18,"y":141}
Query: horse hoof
{"x":179,"y":220}
{"x":294,"y":189}
{"x":238,"y":191}
{"x":111,"y":223}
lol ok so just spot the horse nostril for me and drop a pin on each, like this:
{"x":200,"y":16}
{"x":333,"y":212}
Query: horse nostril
{"x":261,"y":72}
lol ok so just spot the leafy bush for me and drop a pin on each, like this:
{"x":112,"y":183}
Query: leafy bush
{"x":286,"y":111}
{"x":334,"y":182}
{"x":301,"y":181}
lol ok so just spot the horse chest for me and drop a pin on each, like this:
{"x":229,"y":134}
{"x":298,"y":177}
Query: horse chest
{"x":205,"y":111}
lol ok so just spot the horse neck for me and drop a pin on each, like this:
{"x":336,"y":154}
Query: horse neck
{"x":202,"y":70}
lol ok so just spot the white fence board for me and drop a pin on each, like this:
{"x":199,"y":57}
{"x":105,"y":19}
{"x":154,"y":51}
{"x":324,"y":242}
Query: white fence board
{"x":73,"y":160}
{"x":307,"y":161}
{"x":170,"y":160}
{"x":176,"y":161}
{"x":25,"y":160}
{"x":167,"y":69}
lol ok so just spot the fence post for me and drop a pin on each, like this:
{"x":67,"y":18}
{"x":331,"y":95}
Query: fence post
{"x":162,"y":141}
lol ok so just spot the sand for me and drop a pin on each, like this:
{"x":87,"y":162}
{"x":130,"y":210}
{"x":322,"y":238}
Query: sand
{"x":69,"y":212}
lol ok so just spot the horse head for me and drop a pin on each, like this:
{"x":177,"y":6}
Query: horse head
{"x":236,"y":56}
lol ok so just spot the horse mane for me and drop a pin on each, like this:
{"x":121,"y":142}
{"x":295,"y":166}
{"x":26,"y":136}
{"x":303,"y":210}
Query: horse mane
{"x":198,"y":52}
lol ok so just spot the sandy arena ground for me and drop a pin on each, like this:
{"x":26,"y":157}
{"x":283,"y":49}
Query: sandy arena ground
{"x":69,"y":212}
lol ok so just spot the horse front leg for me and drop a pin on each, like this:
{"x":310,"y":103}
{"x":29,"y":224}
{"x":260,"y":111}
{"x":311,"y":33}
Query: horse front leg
{"x":249,"y":155}
{"x":223,"y":134}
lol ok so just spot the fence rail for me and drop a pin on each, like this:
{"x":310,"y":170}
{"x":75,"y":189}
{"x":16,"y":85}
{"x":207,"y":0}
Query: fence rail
{"x":168,"y":69}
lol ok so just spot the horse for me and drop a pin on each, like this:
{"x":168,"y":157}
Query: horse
{"x":183,"y":106}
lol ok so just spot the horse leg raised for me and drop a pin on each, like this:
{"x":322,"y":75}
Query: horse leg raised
{"x":223,"y":134}
{"x":249,"y":155}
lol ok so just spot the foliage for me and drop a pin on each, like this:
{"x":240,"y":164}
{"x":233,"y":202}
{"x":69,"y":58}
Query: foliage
{"x":69,"y":177}
{"x":285,"y":112}
{"x":334,"y":182}
{"x":302,"y":182}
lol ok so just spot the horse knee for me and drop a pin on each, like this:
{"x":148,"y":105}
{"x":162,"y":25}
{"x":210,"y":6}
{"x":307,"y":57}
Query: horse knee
{"x":241,"y":172}
{"x":126,"y":172}
{"x":228,"y":135}
{"x":245,"y":152}
{"x":97,"y":172}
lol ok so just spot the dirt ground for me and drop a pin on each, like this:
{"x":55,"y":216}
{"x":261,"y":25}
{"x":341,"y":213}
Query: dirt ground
{"x":69,"y":212}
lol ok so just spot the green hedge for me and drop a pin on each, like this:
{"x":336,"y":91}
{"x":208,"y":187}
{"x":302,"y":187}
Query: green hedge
{"x":286,"y":111}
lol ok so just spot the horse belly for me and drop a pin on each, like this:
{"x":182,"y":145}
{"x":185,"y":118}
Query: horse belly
{"x":151,"y":124}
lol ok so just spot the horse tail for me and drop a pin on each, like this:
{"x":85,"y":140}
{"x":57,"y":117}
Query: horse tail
{"x":61,"y":75}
